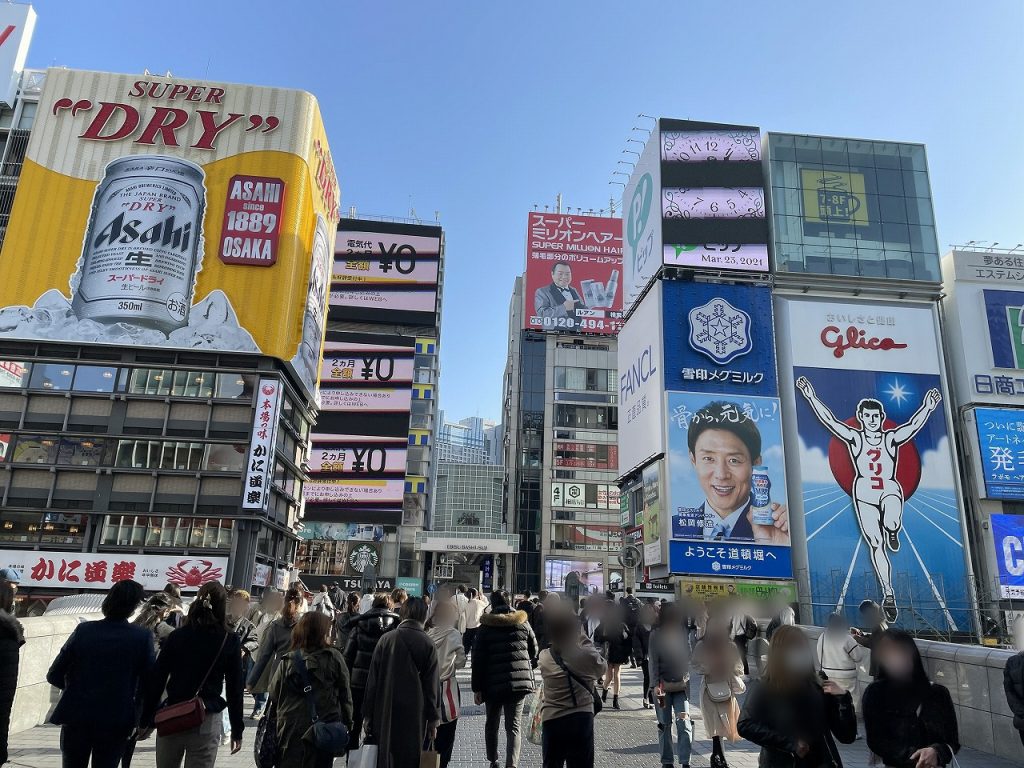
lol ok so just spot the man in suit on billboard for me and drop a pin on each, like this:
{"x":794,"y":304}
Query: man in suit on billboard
{"x":725,"y":445}
{"x":558,"y":299}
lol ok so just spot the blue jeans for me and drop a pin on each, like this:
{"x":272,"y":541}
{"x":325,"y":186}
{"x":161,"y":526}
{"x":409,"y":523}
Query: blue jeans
{"x":684,"y":728}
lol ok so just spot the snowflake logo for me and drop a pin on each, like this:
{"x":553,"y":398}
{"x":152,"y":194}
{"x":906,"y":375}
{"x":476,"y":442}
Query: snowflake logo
{"x":720,"y":331}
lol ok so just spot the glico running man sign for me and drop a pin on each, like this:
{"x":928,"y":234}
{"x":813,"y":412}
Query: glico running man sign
{"x":173,"y":213}
{"x":878,"y":482}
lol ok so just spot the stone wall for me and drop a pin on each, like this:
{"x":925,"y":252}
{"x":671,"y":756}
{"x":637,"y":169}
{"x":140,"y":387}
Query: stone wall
{"x":974,"y":676}
{"x":44,"y":637}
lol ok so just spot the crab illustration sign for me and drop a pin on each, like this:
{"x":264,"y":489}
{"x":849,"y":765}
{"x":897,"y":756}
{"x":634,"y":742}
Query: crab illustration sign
{"x":361,"y":557}
{"x":719,"y":338}
{"x":101,"y":570}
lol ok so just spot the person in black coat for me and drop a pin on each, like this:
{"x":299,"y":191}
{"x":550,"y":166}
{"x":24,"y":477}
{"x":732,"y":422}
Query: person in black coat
{"x":909,"y":721}
{"x":791,"y":714}
{"x":365,"y":631}
{"x":1013,"y":680}
{"x":102,"y":670}
{"x":617,"y":638}
{"x":504,"y":657}
{"x":204,"y":656}
{"x":642,"y":648}
{"x":12,"y":637}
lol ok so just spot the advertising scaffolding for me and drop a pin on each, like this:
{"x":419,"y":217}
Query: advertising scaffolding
{"x":192,"y":215}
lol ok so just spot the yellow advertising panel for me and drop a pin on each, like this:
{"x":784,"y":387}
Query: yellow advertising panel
{"x":154,"y":211}
{"x":834,"y":196}
{"x":703,"y":590}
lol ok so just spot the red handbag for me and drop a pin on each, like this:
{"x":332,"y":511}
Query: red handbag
{"x":189,"y":714}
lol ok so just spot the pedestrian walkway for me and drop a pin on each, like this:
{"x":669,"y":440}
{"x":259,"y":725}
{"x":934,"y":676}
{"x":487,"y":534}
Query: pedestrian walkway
{"x":626,"y":738}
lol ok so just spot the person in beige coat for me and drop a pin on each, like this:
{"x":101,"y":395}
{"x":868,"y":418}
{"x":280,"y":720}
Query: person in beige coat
{"x":718,"y":660}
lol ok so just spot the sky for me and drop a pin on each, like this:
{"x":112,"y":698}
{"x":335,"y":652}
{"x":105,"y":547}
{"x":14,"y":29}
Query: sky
{"x":481,"y":110}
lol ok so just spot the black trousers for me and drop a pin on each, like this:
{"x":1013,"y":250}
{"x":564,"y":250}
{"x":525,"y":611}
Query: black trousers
{"x":741,"y":644}
{"x":105,"y":747}
{"x":568,"y":742}
{"x":445,"y":741}
{"x":467,"y":639}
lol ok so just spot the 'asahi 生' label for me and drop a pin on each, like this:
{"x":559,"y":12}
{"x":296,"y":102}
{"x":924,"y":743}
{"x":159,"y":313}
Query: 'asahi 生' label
{"x":142,"y":247}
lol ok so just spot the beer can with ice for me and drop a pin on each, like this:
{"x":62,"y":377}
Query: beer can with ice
{"x":143,"y":243}
{"x":761,"y":502}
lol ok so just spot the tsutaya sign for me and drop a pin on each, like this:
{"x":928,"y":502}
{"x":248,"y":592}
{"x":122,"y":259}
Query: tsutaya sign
{"x":492,"y":544}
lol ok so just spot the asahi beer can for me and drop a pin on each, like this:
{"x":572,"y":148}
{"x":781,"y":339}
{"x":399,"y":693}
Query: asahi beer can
{"x":143,"y":244}
{"x":761,"y":490}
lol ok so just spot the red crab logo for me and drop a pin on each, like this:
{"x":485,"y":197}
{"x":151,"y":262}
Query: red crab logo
{"x":194,"y":576}
{"x":268,"y":389}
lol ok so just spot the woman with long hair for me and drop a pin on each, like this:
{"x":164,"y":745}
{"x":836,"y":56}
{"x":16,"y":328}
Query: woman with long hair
{"x":669,"y":664}
{"x":204,"y":655}
{"x":275,"y":639}
{"x":401,"y":700}
{"x":102,"y":671}
{"x":791,"y":713}
{"x":153,"y":617}
{"x":717,"y":659}
{"x":328,"y":677}
{"x":909,"y":721}
{"x":451,"y":657}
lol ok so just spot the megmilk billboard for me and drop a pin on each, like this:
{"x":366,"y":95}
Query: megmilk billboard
{"x":160,"y":212}
{"x":874,"y":460}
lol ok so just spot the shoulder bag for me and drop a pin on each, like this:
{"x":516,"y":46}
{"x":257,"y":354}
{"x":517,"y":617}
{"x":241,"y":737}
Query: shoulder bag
{"x":189,"y":714}
{"x":718,"y":692}
{"x":328,"y":738}
{"x":266,"y":750}
{"x":598,"y":704}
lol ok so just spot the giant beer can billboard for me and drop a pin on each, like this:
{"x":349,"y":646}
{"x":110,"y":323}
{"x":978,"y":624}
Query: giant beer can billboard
{"x":162,"y":212}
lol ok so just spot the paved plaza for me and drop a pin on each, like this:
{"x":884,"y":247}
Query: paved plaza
{"x":625,"y":738}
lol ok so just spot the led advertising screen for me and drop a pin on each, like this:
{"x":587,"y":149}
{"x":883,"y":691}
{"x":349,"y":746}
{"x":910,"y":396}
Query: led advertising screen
{"x":1001,"y":443}
{"x":386,"y":272}
{"x":161,"y":212}
{"x":712,"y":196}
{"x":719,"y":338}
{"x":880,"y":504}
{"x":574,"y":578}
{"x":573,"y":271}
{"x":1008,"y":537}
{"x":727,"y":486}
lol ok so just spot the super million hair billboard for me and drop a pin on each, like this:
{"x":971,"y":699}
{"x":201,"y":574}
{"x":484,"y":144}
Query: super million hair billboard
{"x":173,"y":213}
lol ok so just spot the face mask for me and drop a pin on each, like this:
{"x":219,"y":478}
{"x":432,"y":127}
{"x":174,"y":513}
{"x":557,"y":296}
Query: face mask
{"x":798,"y":661}
{"x":898,"y":666}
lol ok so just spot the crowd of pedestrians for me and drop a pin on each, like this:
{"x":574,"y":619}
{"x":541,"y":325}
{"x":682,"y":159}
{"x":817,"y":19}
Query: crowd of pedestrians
{"x":375,"y":682}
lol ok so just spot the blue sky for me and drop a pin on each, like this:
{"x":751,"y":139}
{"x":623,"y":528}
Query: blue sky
{"x":481,"y":110}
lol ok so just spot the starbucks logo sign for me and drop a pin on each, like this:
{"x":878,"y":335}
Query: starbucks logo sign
{"x":362,"y":556}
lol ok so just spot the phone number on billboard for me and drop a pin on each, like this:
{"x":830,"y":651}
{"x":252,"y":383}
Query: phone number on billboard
{"x":575,"y":323}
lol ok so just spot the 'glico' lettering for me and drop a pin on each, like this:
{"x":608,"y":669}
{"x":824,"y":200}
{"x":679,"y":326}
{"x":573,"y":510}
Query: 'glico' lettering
{"x":854,"y":338}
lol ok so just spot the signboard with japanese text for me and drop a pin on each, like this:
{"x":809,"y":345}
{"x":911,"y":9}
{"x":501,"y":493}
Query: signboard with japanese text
{"x":101,"y":570}
{"x":584,"y":495}
{"x":712,"y":196}
{"x":353,"y":458}
{"x":193,"y":215}
{"x":1001,"y":447}
{"x":573,"y":270}
{"x":386,"y":272}
{"x":641,"y":370}
{"x":260,"y":465}
{"x":346,"y":492}
{"x":262,"y":574}
{"x":874,"y":460}
{"x":983,"y":305}
{"x":586,"y":455}
{"x":703,"y":590}
{"x":1008,"y":537}
{"x":653,"y":496}
{"x":719,"y":338}
{"x":727,"y":486}
{"x":641,"y":223}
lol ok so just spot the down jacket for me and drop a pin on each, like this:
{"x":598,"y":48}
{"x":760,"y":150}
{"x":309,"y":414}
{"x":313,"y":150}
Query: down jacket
{"x":12,"y":637}
{"x":366,"y":630}
{"x":504,"y":656}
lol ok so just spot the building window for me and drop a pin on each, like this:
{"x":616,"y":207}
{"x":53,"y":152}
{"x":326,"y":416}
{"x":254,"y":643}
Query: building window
{"x":51,"y":376}
{"x":14,"y":374}
{"x":94,"y":378}
{"x":35,"y":449}
{"x":20,"y":527}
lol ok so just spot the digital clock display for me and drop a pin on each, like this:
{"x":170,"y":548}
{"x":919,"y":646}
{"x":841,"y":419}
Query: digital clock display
{"x":704,"y":146}
{"x":713,"y":203}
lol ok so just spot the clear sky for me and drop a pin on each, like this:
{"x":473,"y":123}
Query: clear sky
{"x":479,"y":110}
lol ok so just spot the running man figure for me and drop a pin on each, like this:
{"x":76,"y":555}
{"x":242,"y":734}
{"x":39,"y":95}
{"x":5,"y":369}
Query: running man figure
{"x":877,"y":494}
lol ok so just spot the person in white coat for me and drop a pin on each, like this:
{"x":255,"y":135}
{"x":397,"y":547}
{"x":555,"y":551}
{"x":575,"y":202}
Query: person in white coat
{"x":476,"y":606}
{"x":838,"y":655}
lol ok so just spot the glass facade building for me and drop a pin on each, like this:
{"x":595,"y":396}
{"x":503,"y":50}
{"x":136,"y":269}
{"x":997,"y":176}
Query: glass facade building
{"x":467,"y":498}
{"x":851,"y":207}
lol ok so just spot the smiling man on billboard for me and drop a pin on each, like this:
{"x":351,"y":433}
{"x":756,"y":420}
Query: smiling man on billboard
{"x":558,"y":299}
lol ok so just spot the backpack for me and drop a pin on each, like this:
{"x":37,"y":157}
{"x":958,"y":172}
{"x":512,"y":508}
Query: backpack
{"x":632,"y":610}
{"x":749,"y":628}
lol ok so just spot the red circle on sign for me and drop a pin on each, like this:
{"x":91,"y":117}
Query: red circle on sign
{"x":908,"y":462}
